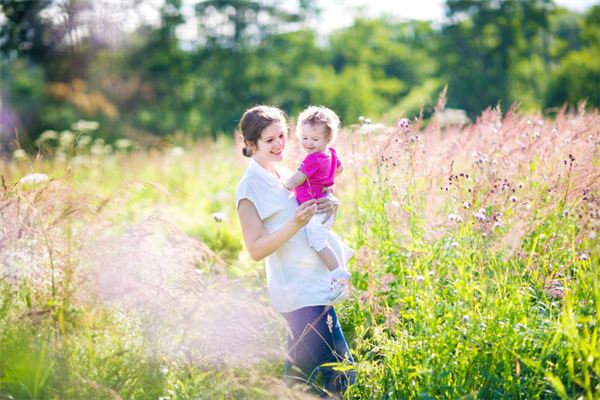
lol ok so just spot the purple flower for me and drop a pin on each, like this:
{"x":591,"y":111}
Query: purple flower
{"x":403,"y":123}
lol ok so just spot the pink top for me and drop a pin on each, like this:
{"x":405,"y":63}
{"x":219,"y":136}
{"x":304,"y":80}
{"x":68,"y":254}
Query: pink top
{"x":319,"y":169}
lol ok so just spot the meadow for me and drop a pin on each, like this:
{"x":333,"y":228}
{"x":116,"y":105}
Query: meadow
{"x":476,"y":268}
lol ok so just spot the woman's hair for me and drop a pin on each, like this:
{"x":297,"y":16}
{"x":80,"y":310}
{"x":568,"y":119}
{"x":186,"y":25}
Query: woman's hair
{"x":254,"y":121}
{"x":319,"y":115}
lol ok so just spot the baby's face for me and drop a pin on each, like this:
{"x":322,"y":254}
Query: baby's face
{"x":314,"y":138}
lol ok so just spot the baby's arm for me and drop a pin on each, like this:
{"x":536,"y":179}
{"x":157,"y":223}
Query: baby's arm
{"x":295,"y":180}
{"x":339,"y":169}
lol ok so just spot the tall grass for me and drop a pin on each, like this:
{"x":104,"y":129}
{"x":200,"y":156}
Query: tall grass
{"x":476,"y":269}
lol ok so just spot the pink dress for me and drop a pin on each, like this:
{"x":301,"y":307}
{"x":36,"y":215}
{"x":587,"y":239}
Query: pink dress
{"x":319,"y":169}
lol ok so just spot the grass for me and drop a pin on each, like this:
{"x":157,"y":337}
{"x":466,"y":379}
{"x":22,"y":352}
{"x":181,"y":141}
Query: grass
{"x":476,"y":269}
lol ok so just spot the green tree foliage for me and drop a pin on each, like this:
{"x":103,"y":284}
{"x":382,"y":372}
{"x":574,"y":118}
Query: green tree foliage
{"x":577,"y":74}
{"x":491,"y":47}
{"x":249,"y":51}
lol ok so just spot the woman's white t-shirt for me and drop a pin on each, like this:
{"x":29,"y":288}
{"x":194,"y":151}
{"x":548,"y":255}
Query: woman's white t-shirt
{"x":296,"y":276}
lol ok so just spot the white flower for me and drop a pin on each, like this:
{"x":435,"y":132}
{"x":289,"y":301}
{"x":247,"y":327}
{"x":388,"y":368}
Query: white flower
{"x":176,"y":151}
{"x":454,"y":244}
{"x":219,"y":216}
{"x":83,"y":125}
{"x":19,"y":154}
{"x":45,"y":136}
{"x":66,"y":138}
{"x":466,"y":204}
{"x":591,"y":235}
{"x":84,"y":141}
{"x":33,"y":179}
{"x":465,"y":318}
{"x":583,"y":256}
{"x":123,"y":144}
{"x":420,"y":278}
{"x":455,"y":218}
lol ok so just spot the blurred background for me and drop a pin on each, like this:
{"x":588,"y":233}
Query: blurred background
{"x":144,"y":69}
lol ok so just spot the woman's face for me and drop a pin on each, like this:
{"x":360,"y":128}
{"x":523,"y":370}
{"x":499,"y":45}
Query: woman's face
{"x":271,"y":143}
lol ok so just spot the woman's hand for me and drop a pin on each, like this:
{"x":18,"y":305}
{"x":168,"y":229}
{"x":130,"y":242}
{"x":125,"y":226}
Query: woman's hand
{"x":328,"y":206}
{"x":305,"y":212}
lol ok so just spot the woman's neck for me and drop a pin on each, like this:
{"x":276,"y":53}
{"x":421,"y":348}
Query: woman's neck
{"x":267,"y":165}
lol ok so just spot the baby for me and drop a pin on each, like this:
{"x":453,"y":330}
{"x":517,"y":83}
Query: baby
{"x":316,"y":128}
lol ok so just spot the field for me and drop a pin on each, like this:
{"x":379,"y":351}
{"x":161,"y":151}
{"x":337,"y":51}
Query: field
{"x":476,"y":271}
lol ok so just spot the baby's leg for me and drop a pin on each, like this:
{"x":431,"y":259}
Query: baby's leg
{"x":329,"y":258}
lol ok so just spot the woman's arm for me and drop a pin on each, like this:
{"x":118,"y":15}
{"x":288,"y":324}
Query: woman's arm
{"x":261,"y":244}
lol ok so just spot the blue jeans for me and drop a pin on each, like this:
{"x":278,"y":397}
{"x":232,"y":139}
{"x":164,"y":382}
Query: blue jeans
{"x":316,"y":338}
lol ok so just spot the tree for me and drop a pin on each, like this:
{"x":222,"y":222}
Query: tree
{"x":483,"y":41}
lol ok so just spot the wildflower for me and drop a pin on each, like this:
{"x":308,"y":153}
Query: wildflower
{"x":497,"y":224}
{"x":465,"y":318}
{"x":46,"y":136}
{"x":466,"y":204}
{"x":584,"y":257}
{"x":123,"y":144}
{"x":479,"y":216}
{"x":176,"y":151}
{"x":454,"y":245}
{"x":84,"y":141}
{"x":513,"y":199}
{"x":19,"y":154}
{"x":361,"y":119}
{"x":33,"y":179}
{"x":330,"y":323}
{"x":555,"y":290}
{"x":420,"y":278}
{"x":219,"y":216}
{"x":83,"y":125}
{"x":66,"y":138}
{"x":394,"y":204}
{"x":415,"y":138}
{"x":455,"y":218}
{"x":403,"y":123}
{"x":591,"y":235}
{"x":528,"y":206}
{"x":565,"y":213}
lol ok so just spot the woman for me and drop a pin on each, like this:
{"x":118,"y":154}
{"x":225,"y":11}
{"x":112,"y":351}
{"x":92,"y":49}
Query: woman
{"x":297,"y":281}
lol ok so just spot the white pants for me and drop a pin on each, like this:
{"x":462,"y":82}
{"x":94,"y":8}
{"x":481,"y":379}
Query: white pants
{"x":317,"y":232}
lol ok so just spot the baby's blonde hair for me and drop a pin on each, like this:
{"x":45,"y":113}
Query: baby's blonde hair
{"x":319,"y":115}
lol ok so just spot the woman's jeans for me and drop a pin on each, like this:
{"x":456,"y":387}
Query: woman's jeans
{"x":316,"y":338}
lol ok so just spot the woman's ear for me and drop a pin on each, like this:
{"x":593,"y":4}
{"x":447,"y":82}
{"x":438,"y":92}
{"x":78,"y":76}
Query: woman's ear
{"x":251,"y":146}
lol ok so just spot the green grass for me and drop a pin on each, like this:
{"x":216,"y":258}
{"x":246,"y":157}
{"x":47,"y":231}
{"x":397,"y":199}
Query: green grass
{"x":445,"y":305}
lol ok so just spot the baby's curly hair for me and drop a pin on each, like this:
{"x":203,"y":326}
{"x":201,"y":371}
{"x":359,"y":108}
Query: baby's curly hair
{"x":319,"y":115}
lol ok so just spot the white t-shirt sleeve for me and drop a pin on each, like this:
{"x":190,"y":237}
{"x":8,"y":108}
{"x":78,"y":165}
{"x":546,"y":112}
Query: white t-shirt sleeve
{"x":258,"y":193}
